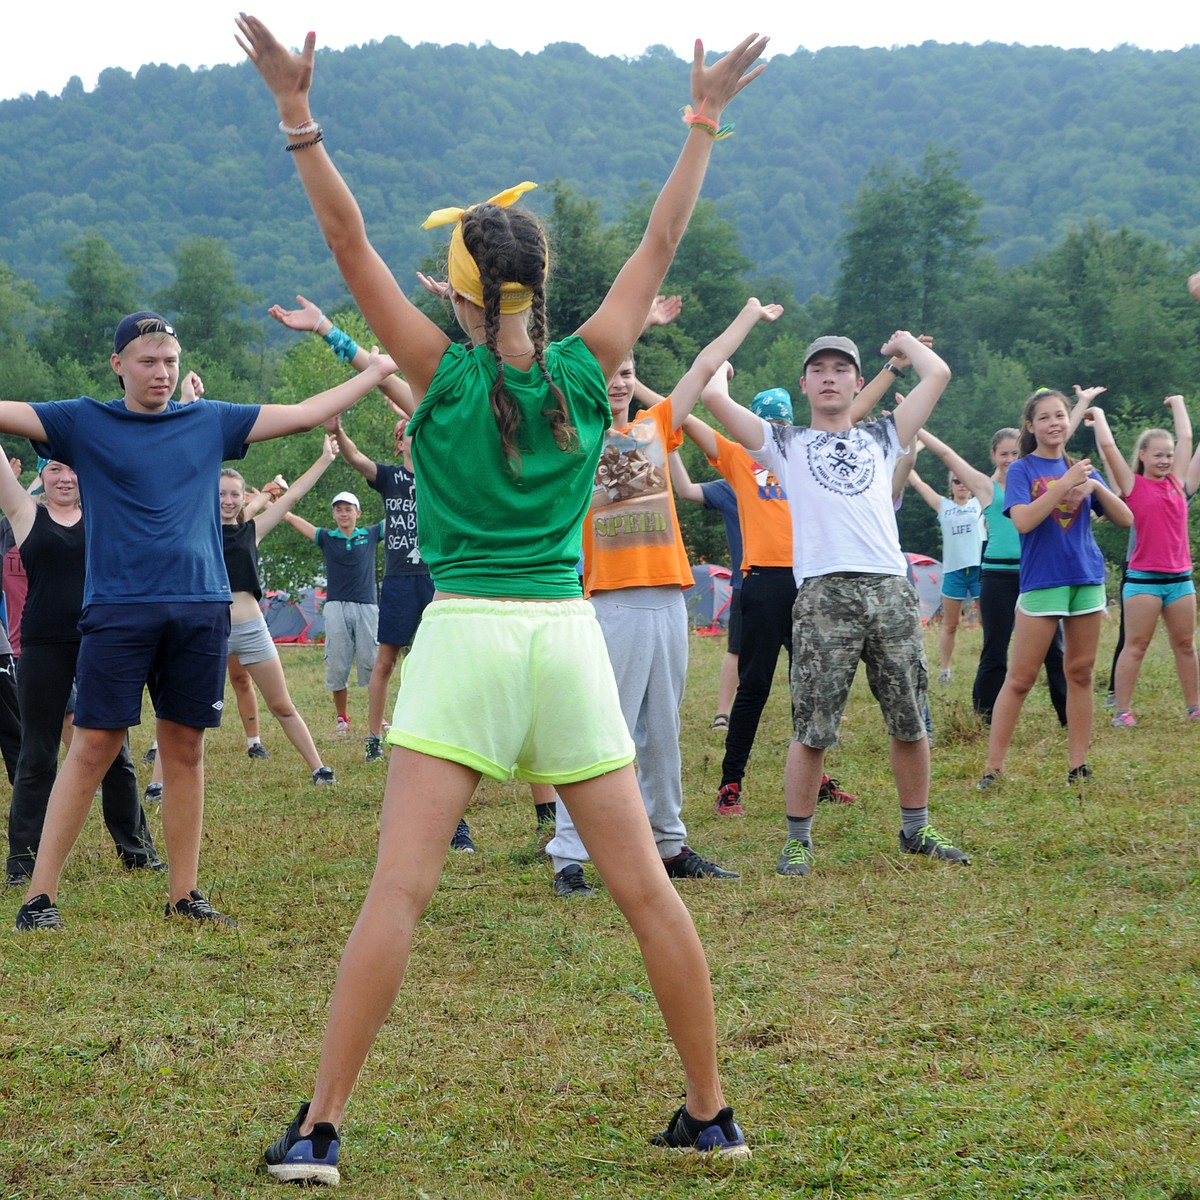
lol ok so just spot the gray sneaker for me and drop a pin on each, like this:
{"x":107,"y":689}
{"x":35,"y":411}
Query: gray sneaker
{"x":929,"y":842}
{"x":796,"y":857}
{"x":570,"y":883}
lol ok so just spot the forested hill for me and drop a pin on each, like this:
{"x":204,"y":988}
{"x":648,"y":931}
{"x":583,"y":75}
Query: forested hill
{"x":1046,"y":137}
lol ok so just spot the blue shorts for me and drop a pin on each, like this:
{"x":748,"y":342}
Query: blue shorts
{"x":1168,"y":588}
{"x":178,"y":650}
{"x":402,"y":600}
{"x":962,"y":584}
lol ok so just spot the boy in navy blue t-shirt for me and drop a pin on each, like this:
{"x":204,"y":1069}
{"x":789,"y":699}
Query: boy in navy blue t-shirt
{"x":156,"y":604}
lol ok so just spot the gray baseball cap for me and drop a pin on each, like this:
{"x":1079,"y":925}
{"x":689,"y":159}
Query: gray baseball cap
{"x":837,"y":345}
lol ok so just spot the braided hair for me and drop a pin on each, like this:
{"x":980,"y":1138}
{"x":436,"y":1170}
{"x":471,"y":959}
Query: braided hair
{"x":509,"y":246}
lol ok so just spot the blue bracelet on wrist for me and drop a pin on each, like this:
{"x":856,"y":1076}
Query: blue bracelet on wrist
{"x":341,"y":343}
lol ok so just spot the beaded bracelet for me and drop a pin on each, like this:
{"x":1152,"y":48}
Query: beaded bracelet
{"x":341,"y":343}
{"x":312,"y":141}
{"x":718,"y":133}
{"x":309,"y":126}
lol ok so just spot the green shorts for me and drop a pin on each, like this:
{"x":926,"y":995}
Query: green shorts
{"x":1072,"y":601}
{"x":514,"y":690}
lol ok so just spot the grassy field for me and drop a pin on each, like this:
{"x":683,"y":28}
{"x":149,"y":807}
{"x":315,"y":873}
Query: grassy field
{"x":890,"y":1027}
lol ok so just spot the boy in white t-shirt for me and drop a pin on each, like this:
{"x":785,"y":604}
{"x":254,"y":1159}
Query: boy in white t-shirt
{"x":854,"y":601}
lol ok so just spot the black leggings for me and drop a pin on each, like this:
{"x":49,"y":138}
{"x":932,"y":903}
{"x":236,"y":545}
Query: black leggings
{"x":44,"y":686}
{"x":998,"y":592}
{"x":768,"y":594}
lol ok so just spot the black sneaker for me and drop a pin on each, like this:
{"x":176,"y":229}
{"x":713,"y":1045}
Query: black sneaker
{"x":687,"y":864}
{"x":144,"y":862}
{"x":324,"y":776}
{"x":929,"y":842}
{"x":296,"y":1157}
{"x":258,"y":750}
{"x":38,"y":913}
{"x":721,"y":1135}
{"x":1079,"y":774}
{"x":461,"y":841}
{"x":196,"y":908}
{"x":153,"y":794}
{"x":150,"y":755}
{"x":570,"y":883}
{"x":374,"y":751}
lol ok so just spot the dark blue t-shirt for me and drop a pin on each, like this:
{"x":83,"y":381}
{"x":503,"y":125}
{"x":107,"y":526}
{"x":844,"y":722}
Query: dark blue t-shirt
{"x":152,"y":507}
{"x":719,"y":496}
{"x":397,"y":486}
{"x":350,"y":563}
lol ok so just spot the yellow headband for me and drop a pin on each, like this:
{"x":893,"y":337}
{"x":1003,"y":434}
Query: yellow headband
{"x":462,"y":268}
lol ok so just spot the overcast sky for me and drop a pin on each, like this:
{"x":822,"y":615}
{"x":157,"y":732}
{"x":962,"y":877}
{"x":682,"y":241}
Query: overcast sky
{"x":46,"y":42}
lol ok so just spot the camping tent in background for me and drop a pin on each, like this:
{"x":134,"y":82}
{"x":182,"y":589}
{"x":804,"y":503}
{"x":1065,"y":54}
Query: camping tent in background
{"x":295,"y":620}
{"x":925,"y":574}
{"x":708,"y":598}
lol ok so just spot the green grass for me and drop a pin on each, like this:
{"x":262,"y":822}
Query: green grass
{"x":1028,"y":1027}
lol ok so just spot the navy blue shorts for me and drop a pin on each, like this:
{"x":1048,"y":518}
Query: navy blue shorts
{"x":402,"y":600}
{"x":177,"y":650}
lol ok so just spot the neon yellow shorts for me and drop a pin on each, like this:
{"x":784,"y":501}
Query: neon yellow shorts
{"x":514,"y":690}
{"x":1074,"y":601}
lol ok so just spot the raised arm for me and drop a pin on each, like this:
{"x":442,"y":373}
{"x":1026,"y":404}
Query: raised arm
{"x":414,"y":340}
{"x":713,"y":357}
{"x":18,"y":505}
{"x":1183,"y":436}
{"x":21,"y":419}
{"x":278,"y":420}
{"x":933,"y":375}
{"x":895,"y":367}
{"x":301,"y":526}
{"x":981,"y":486}
{"x":614,"y":327}
{"x":924,"y":490}
{"x":308,"y":318}
{"x":740,"y":423}
{"x":681,"y":481}
{"x":352,"y":454}
{"x":903,"y":469}
{"x":1119,"y":470}
{"x":703,"y":435}
{"x":266,"y":521}
{"x":1083,"y":401}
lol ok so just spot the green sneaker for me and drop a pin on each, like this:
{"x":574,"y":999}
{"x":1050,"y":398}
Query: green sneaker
{"x":929,"y":842}
{"x":796,"y":857}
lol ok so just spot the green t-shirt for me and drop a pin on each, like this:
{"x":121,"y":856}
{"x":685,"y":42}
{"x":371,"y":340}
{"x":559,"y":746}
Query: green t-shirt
{"x":483,"y":529}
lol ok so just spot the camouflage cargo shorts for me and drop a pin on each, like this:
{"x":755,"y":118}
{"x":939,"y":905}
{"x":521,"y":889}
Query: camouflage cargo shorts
{"x":840,"y":620}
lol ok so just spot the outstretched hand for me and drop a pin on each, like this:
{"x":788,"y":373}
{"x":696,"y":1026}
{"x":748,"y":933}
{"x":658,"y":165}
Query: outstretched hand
{"x":764,"y":312}
{"x":1088,"y":394}
{"x":304,"y":319}
{"x":903,"y":362}
{"x":381,"y":364}
{"x":713,"y":87}
{"x":288,"y":76}
{"x":435,"y":287}
{"x":663,"y":311}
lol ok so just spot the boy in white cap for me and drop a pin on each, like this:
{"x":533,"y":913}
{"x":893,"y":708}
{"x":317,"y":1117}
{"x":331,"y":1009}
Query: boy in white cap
{"x":352,"y":597}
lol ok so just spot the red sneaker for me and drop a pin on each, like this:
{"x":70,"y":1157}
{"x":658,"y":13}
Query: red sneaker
{"x":729,"y":800}
{"x":832,"y":792}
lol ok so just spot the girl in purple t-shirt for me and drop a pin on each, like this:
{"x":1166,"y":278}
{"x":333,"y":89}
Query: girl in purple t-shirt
{"x":1159,"y":578}
{"x":1050,"y":500}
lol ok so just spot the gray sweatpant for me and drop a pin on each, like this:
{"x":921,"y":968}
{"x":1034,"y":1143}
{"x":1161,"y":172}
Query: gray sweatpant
{"x":645,"y":630}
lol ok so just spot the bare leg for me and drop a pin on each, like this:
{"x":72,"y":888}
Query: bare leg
{"x":339,"y":702}
{"x":1141,"y":618}
{"x":951,"y":614}
{"x":424,"y":799}
{"x":181,"y":752}
{"x":377,"y":689}
{"x":910,"y":766}
{"x":727,"y":688}
{"x":1081,"y":637}
{"x":270,"y":679}
{"x":247,"y":701}
{"x":1180,"y":620}
{"x":91,"y":754}
{"x":1030,"y":642}
{"x":611,"y":819}
{"x":802,"y":780}
{"x":68,"y":729}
